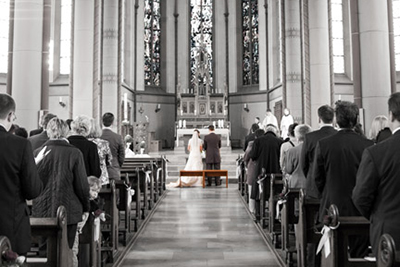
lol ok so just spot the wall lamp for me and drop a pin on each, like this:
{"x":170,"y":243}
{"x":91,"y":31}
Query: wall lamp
{"x":246,"y":108}
{"x":61,"y":102}
{"x":158,"y":108}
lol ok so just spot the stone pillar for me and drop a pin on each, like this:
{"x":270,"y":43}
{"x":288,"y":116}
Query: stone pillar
{"x":233,"y":45}
{"x":319,"y":57}
{"x":110,"y":90}
{"x":293,"y":59}
{"x":219,"y":52}
{"x":83,"y":46}
{"x":168,"y":43}
{"x":375,"y":59}
{"x":27,"y":61}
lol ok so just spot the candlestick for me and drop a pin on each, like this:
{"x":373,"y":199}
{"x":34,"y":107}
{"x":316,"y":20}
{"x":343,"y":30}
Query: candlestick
{"x":125,"y":106}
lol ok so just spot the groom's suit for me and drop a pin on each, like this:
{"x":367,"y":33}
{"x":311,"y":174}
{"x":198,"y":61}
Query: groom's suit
{"x":212,"y":144}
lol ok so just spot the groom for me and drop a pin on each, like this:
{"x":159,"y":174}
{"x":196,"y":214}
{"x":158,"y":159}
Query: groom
{"x":212,"y":144}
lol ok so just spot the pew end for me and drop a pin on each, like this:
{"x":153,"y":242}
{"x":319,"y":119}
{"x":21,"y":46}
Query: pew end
{"x":343,"y":227}
{"x":388,"y":255}
{"x":55,"y":231}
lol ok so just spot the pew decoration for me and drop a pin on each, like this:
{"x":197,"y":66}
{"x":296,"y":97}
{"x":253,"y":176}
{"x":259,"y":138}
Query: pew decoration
{"x":331,"y":222}
{"x":9,"y":258}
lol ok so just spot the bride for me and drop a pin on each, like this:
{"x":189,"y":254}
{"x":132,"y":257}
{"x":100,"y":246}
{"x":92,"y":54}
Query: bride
{"x":195,"y":147}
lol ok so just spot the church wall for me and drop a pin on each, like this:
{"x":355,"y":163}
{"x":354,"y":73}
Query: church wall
{"x":161,"y":123}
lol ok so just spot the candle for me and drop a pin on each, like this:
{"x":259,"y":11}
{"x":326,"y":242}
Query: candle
{"x":125,"y":106}
{"x":195,"y":112}
{"x":184,"y":123}
{"x":210,"y":112}
{"x":180,"y":123}
{"x":181,"y":112}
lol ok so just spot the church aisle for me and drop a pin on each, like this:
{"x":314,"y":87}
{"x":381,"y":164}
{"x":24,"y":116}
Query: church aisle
{"x":200,"y":227}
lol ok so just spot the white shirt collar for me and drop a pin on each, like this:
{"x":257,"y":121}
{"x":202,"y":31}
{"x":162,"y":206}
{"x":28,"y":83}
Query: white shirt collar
{"x":325,"y":125}
{"x":3,"y":126}
{"x":395,"y":130}
{"x":109,"y":128}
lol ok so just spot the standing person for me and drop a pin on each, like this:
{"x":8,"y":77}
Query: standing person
{"x":39,"y":139}
{"x":258,"y":122}
{"x":325,"y":115}
{"x":19,"y":180}
{"x":64,"y":178}
{"x":194,"y":163}
{"x":380,"y":129}
{"x":212,"y":145}
{"x":103,"y":149}
{"x":270,"y":119}
{"x":251,"y":136}
{"x":265,"y":151}
{"x":251,"y":169}
{"x":336,"y":163}
{"x":376,"y":194}
{"x":117,"y":146}
{"x":286,"y":121}
{"x":80,"y":129}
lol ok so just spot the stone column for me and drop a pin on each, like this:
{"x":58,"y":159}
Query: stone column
{"x":110,"y":92}
{"x":27,"y":61}
{"x":233,"y":45}
{"x":219,"y":47}
{"x":375,"y":59}
{"x":293,"y":59}
{"x":83,"y":46}
{"x":319,"y":57}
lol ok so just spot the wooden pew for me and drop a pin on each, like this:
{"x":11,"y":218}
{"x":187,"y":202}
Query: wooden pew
{"x":306,"y":229}
{"x":55,"y":231}
{"x":213,"y":173}
{"x":131,"y":177}
{"x":109,"y":228}
{"x":342,"y":227}
{"x":242,"y":175}
{"x":274,"y":225}
{"x":289,"y":218}
{"x":388,"y":255}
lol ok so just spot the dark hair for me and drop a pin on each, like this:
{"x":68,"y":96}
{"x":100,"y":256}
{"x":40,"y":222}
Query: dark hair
{"x":291,"y":128}
{"x":195,"y":130}
{"x":7,"y":105}
{"x":46,"y":118}
{"x":259,"y":132}
{"x":268,"y":110}
{"x":394,"y":105}
{"x":258,"y":118}
{"x":68,"y":121}
{"x":211,"y":127}
{"x":108,"y":119}
{"x":326,"y":113}
{"x":21,"y":131}
{"x":254,"y":127}
{"x":346,"y":114}
{"x":358,"y":129}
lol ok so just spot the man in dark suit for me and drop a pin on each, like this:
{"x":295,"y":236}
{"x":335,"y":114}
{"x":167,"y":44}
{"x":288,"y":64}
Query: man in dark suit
{"x":337,"y":158}
{"x":376,"y":194}
{"x":250,"y":137}
{"x":39,"y":139}
{"x":212,"y":144}
{"x":266,"y":151}
{"x":325,"y":114}
{"x":19,"y":180}
{"x":117,"y":146}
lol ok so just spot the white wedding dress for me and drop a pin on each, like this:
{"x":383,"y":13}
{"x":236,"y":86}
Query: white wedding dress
{"x":194,"y":163}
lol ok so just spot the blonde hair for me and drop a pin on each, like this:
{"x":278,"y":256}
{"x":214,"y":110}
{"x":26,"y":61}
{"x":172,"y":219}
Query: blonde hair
{"x":379,"y":123}
{"x":81,"y":125}
{"x":95,"y":129}
{"x":57,"y":128}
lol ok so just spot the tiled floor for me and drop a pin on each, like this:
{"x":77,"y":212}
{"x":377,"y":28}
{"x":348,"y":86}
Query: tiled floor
{"x":200,"y":227}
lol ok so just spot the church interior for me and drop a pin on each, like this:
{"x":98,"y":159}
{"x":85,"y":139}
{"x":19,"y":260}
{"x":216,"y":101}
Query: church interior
{"x":167,"y":67}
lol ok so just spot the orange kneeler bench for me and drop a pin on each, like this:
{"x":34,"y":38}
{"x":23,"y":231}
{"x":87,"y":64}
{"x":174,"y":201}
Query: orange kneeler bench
{"x":205,"y":173}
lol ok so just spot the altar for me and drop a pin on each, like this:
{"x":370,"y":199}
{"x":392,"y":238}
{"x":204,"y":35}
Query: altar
{"x":224,"y":132}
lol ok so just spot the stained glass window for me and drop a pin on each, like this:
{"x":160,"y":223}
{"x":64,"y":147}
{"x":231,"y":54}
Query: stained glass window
{"x":4,"y":28}
{"x":396,"y":32}
{"x":337,"y":36}
{"x":250,"y":42}
{"x":152,"y":34}
{"x":65,"y":38}
{"x":201,"y":54}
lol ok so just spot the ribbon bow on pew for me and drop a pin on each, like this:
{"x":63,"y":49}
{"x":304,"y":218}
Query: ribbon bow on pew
{"x":331,"y":222}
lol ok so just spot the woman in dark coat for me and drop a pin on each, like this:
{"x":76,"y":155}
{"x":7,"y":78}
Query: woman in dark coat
{"x":64,"y":179}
